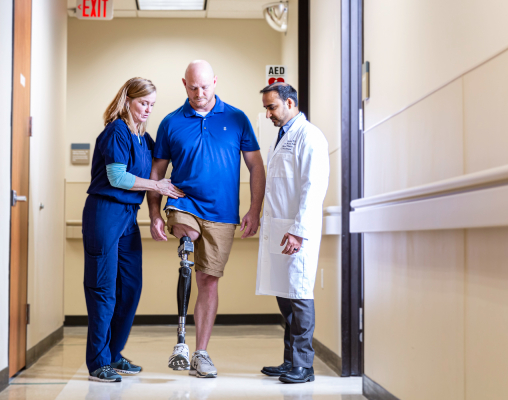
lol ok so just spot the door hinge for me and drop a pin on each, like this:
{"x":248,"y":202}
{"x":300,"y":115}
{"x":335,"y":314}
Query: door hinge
{"x":360,"y":119}
{"x":28,"y":314}
{"x":365,"y":80}
{"x":30,"y":126}
{"x":361,"y":319}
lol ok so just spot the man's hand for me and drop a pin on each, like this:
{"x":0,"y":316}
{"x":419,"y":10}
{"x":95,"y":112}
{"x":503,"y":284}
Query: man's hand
{"x":294,"y":243}
{"x":250,"y":222}
{"x":157,"y":229}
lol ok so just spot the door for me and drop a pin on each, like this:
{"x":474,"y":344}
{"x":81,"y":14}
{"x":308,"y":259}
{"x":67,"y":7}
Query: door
{"x":19,"y":179}
{"x":352,"y":186}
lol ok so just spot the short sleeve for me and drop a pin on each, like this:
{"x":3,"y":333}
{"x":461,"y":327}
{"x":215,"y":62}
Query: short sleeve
{"x":249,"y":141}
{"x":116,"y":146}
{"x":149,"y":141}
{"x":162,"y":149}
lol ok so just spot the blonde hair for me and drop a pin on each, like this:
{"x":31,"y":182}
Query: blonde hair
{"x":119,"y":107}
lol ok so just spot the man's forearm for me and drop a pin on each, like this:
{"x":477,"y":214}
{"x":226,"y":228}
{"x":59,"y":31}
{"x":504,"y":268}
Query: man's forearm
{"x":257,"y":187}
{"x":154,"y":200}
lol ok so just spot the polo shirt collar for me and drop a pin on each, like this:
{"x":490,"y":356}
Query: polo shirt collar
{"x":188,"y":111}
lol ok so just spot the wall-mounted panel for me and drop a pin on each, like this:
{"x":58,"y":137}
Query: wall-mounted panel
{"x":414,"y":313}
{"x":421,"y":145}
{"x":414,"y":47}
{"x":485,"y":115}
{"x":486,"y":321}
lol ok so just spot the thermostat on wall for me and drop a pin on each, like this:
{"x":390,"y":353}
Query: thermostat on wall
{"x":80,"y":153}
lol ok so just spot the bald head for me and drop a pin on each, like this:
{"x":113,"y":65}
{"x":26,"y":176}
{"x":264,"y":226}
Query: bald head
{"x":199,"y":68}
{"x":200,"y":83}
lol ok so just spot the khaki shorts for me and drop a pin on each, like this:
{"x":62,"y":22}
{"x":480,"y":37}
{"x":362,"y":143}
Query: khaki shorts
{"x":211,"y":250}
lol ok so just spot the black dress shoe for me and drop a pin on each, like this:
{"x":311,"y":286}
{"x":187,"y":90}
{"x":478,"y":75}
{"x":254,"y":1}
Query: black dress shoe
{"x":277,"y":371}
{"x":298,"y":375}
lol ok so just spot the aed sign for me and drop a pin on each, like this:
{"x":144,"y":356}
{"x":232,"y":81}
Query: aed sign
{"x":94,"y":9}
{"x":275,"y":73}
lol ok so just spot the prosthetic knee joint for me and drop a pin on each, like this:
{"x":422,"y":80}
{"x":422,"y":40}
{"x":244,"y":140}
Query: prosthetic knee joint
{"x":184,"y":284}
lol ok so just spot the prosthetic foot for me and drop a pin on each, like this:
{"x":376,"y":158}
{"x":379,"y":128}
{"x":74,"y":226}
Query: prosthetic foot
{"x":179,"y":360}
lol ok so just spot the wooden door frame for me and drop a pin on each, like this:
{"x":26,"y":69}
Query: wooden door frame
{"x":352,"y":185}
{"x":20,"y":177}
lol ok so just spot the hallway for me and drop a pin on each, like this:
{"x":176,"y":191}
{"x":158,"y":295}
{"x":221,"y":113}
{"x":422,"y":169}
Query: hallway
{"x":239,"y":352}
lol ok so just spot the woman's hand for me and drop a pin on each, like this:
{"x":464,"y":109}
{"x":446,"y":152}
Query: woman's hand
{"x":166,"y":188}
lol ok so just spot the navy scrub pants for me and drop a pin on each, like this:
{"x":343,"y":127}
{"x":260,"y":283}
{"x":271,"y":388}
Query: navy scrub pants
{"x":299,"y":316}
{"x":113,"y":278}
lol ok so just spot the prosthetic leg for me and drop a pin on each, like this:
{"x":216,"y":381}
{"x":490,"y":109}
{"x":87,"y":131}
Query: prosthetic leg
{"x":179,"y":360}
{"x":184,"y":284}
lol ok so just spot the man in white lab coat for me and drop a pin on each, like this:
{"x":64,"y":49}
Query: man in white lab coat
{"x":296,"y":184}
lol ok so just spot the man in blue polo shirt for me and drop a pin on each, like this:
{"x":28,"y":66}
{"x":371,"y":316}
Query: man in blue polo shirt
{"x":203,"y":140}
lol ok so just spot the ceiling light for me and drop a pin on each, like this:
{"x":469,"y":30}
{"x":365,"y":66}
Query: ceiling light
{"x":276,"y":14}
{"x":172,"y":5}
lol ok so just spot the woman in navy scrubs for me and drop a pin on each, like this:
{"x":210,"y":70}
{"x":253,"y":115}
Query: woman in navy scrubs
{"x":121,"y":166}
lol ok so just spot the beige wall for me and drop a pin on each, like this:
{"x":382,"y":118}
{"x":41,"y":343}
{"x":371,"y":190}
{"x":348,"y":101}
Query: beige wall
{"x":290,"y":45}
{"x":103,"y":55}
{"x":100,"y":60}
{"x":5,"y":177}
{"x":435,"y":301}
{"x":325,"y":114}
{"x":415,"y":47}
{"x":46,"y":228}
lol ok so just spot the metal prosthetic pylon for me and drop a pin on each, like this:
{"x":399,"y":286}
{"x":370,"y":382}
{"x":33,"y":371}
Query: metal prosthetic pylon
{"x":184,"y":284}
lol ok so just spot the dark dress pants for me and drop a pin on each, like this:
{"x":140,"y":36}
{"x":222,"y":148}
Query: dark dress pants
{"x":299,"y":316}
{"x":113,"y":278}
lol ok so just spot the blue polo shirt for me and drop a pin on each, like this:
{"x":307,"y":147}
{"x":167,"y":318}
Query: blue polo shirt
{"x":205,"y":153}
{"x":117,"y":144}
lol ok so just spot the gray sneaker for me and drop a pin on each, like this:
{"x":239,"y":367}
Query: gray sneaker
{"x":179,"y":360}
{"x":124,"y":366}
{"x":105,"y":374}
{"x":202,"y":366}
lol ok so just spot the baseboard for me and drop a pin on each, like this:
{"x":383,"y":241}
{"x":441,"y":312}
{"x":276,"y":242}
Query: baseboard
{"x":36,"y":352}
{"x":4,"y":378}
{"x":221,"y":319}
{"x":329,"y":357}
{"x":374,"y":391}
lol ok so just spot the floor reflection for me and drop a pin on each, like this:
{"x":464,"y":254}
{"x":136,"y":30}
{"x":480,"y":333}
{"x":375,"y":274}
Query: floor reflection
{"x":238,"y":352}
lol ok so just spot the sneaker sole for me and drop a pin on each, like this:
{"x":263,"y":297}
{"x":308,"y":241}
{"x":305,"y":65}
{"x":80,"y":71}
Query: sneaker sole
{"x":194,"y":372}
{"x":121,"y":371}
{"x":289,"y":380}
{"x":179,"y":363}
{"x":95,"y":379}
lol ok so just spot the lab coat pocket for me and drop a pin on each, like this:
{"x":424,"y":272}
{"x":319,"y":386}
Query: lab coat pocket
{"x":283,"y":165}
{"x":278,"y":228}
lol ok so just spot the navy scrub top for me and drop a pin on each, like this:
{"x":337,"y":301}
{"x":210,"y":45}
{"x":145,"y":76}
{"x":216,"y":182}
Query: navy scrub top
{"x":116,"y":144}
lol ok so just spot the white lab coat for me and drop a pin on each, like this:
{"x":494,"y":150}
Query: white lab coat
{"x":296,"y":184}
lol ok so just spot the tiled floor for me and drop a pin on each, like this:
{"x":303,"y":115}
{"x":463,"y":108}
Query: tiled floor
{"x":238,"y":352}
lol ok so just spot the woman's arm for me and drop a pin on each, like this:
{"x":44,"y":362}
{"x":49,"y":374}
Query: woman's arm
{"x":119,"y":177}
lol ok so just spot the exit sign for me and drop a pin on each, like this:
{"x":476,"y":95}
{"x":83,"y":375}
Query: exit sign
{"x":94,"y":9}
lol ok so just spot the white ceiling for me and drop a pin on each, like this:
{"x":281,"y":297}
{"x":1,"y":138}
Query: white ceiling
{"x":241,"y":9}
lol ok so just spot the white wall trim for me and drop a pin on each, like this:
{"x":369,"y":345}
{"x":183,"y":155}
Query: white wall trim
{"x":474,"y":209}
{"x":474,"y":181}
